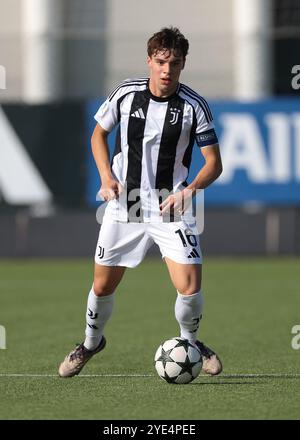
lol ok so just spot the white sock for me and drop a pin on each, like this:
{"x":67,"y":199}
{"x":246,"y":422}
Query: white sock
{"x":188,"y":312}
{"x":99,"y":310}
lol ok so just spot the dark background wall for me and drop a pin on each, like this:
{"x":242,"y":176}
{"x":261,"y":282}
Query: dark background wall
{"x":54,"y":137}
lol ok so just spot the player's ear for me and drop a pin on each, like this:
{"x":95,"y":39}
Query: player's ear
{"x":183,"y":64}
{"x":149,"y":59}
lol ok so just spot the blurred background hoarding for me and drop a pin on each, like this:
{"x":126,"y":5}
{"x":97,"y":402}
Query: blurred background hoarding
{"x":59,"y":60}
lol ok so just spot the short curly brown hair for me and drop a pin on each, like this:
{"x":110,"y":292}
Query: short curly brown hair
{"x":168,"y":39}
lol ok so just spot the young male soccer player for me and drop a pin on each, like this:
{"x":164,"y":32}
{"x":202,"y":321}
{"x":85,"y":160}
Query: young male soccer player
{"x":159,"y":120}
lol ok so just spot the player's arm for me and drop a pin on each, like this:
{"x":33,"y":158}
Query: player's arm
{"x":110,"y":188}
{"x":207,"y":140}
{"x":211,"y":170}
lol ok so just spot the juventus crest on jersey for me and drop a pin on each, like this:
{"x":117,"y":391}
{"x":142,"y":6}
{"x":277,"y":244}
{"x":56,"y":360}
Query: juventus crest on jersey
{"x":155,"y":137}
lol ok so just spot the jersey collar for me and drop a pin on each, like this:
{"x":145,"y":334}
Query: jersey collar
{"x":158,"y":99}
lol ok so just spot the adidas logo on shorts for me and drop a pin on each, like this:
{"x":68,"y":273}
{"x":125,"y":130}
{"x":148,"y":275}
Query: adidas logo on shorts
{"x":194,"y":254}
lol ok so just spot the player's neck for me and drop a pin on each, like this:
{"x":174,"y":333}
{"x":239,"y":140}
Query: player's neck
{"x":155,"y":91}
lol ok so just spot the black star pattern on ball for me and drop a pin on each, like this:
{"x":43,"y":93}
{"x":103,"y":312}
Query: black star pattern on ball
{"x":165,"y":356}
{"x":169,"y":379}
{"x":184,"y":343}
{"x":187,"y":366}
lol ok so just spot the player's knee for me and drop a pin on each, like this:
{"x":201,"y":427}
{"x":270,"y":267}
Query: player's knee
{"x":188,"y":289}
{"x":101,"y":288}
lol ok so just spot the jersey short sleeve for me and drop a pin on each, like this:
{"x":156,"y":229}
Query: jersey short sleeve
{"x":205,"y":130}
{"x":107,"y":115}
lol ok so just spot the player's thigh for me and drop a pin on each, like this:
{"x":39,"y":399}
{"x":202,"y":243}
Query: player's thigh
{"x":107,"y":279}
{"x":186,"y":278}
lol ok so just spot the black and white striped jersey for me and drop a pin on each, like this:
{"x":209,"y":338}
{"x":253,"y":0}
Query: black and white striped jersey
{"x":156,"y":135}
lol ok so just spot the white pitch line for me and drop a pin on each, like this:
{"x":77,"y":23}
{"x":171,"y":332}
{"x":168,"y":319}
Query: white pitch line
{"x":228,"y":376}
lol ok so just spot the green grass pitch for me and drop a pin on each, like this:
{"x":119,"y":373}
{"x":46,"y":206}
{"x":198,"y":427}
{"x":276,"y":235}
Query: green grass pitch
{"x":251,"y":307}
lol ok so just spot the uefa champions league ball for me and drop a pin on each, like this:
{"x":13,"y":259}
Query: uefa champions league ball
{"x":178,"y":361}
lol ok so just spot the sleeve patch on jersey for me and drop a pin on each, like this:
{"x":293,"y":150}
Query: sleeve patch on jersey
{"x":205,"y":138}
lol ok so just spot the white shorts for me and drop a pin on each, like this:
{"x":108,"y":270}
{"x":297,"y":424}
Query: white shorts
{"x":126,"y":244}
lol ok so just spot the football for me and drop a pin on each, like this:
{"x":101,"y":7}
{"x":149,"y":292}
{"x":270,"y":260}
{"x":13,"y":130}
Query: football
{"x":178,"y":361}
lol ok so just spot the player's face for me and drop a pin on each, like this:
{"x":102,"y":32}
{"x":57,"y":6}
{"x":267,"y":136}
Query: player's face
{"x":165,"y":69}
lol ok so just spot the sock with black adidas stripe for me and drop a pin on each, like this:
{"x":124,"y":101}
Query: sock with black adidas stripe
{"x":188,"y":313}
{"x":99,"y":310}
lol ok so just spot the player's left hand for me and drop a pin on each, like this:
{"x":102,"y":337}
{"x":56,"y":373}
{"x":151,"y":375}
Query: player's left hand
{"x":177,"y":203}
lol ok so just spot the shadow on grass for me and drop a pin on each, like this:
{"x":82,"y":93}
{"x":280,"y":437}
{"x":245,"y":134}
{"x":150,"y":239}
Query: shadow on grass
{"x":235,"y":379}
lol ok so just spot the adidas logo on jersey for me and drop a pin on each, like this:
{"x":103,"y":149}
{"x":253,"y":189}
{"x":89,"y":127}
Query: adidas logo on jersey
{"x":138,"y":114}
{"x":194,"y":254}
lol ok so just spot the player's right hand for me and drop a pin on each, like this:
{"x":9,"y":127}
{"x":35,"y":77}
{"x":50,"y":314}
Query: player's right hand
{"x":110,"y":190}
